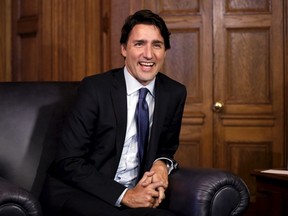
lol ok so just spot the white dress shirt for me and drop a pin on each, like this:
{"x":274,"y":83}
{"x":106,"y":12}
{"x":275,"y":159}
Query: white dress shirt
{"x":127,"y":171}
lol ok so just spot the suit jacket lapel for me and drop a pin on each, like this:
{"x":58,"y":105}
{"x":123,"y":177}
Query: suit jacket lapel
{"x":119,"y":98}
{"x":161,"y":97}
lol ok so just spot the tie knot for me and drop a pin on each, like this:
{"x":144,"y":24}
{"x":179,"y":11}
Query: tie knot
{"x":142,"y":93}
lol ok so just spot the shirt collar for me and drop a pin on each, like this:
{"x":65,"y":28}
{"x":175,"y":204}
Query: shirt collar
{"x":133,"y":85}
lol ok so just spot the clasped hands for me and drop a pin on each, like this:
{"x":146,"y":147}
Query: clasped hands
{"x":150,"y":190}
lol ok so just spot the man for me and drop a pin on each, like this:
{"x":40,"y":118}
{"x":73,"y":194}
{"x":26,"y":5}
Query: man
{"x":101,"y":168}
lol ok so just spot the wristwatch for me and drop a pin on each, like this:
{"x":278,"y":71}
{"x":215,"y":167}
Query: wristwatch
{"x":168,"y":164}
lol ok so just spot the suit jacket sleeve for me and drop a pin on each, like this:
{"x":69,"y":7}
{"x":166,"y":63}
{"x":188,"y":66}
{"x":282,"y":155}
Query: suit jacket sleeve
{"x":170,"y":99}
{"x":173,"y":109}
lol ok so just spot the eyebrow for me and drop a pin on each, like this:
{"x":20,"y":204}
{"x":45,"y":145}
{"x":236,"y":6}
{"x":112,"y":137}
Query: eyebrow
{"x":158,"y":41}
{"x":138,"y":41}
{"x":143,"y":41}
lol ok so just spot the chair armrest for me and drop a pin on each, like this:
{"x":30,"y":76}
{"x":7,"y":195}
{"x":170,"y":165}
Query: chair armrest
{"x":15,"y":201}
{"x":203,"y":192}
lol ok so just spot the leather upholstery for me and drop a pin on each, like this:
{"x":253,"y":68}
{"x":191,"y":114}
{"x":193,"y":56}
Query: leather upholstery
{"x":16,"y":201}
{"x":203,"y":192}
{"x":31,"y":117}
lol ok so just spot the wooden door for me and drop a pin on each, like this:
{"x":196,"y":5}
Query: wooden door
{"x":248,"y":80}
{"x":230,"y":52}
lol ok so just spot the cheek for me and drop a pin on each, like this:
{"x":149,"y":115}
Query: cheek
{"x":160,"y":55}
{"x":160,"y":60}
{"x":132,"y":57}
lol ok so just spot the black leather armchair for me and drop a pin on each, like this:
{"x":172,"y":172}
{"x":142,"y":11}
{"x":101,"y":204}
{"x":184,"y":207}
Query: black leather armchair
{"x":31,"y":116}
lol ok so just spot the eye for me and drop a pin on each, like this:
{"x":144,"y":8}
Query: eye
{"x":158,"y":45}
{"x":138,"y":44}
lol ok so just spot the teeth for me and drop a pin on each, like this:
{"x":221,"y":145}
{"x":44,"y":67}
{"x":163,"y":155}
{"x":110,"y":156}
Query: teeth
{"x":147,"y":64}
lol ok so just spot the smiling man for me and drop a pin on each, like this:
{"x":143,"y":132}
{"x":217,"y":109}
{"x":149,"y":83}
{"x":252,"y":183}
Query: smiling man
{"x":104,"y":165}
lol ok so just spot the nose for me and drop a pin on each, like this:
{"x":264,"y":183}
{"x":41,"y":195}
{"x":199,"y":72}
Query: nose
{"x":148,"y":52}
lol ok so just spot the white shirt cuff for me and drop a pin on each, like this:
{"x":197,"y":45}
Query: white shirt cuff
{"x":118,"y":202}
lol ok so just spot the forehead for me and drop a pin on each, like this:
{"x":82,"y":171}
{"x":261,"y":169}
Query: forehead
{"x":145,"y":32}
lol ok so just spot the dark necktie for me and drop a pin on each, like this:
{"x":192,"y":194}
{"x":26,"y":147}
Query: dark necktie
{"x":142,"y":120}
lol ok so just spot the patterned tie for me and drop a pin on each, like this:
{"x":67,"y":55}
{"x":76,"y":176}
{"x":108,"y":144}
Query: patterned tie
{"x":142,"y":120}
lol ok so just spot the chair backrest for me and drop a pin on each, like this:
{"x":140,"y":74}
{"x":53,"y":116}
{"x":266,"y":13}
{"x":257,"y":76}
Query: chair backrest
{"x":31,"y":118}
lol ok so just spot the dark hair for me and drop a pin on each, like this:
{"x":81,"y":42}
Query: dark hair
{"x":145,"y":17}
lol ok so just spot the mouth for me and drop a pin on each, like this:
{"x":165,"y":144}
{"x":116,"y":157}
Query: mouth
{"x":147,"y":65}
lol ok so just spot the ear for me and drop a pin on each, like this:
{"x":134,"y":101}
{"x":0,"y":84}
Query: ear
{"x":165,"y":54}
{"x":123,"y":50}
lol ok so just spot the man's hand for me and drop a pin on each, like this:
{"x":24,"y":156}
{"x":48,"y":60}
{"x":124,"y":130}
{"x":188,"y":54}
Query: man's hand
{"x":145,"y":193}
{"x":161,"y":175}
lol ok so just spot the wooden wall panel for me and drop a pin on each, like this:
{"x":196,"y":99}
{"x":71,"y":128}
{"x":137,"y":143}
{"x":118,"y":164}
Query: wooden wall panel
{"x":119,"y":11}
{"x":28,"y":8}
{"x":29,"y":58}
{"x":58,"y":40}
{"x":26,"y":40}
{"x":76,"y":38}
{"x":286,"y":82}
{"x":68,"y":40}
{"x":5,"y":40}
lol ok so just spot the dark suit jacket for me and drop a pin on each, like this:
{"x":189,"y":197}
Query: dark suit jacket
{"x":94,"y":132}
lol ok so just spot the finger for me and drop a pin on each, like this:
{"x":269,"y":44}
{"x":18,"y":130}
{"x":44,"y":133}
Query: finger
{"x":161,"y":197}
{"x":164,"y":182}
{"x":156,"y":204}
{"x":149,"y":179}
{"x":147,"y":175}
{"x":165,"y":185}
{"x":156,"y":185}
{"x":161,"y":191}
{"x":157,"y":201}
{"x":146,"y":182}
